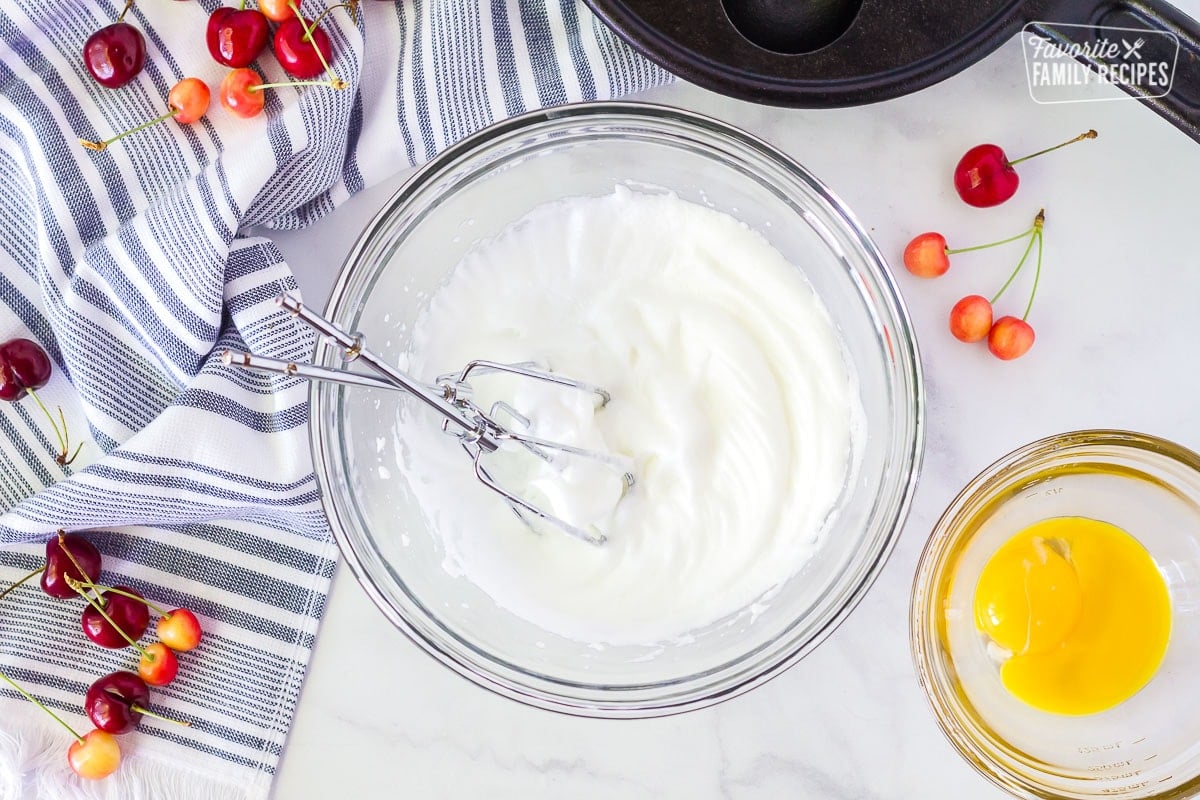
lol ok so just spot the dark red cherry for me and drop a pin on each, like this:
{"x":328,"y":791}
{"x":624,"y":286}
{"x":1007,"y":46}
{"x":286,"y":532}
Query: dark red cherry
{"x":59,"y":565}
{"x":115,"y":702}
{"x":236,"y":37}
{"x":24,"y":365}
{"x":298,"y":57}
{"x":28,"y":361}
{"x":114,"y":55}
{"x":129,"y":613}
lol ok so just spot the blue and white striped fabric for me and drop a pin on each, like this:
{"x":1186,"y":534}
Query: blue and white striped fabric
{"x":131,"y":266}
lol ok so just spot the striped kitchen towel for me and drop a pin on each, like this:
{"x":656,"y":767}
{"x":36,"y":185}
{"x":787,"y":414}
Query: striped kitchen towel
{"x":131,"y":266}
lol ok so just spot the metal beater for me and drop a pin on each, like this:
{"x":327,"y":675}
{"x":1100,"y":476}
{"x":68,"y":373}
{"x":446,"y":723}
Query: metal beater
{"x":480,"y":432}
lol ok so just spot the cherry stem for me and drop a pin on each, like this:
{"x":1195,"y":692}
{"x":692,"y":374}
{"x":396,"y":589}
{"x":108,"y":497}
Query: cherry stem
{"x":1086,"y":135}
{"x":307,"y":35}
{"x":128,"y":5}
{"x":57,"y":433}
{"x":62,"y":459}
{"x":98,"y":146}
{"x":62,"y":545}
{"x":1020,"y":235}
{"x":132,"y":596}
{"x":21,"y":582}
{"x":334,"y":84}
{"x":42,"y":706}
{"x":1037,"y":275}
{"x":100,"y":608}
{"x":147,"y":712}
{"x":1013,"y":276}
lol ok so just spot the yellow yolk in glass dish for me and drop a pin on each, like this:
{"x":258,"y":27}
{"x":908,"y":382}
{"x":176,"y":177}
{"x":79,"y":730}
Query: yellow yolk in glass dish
{"x":1080,"y":612}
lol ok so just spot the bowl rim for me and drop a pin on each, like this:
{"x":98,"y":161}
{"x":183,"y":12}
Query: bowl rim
{"x":904,"y":351}
{"x":994,"y":479}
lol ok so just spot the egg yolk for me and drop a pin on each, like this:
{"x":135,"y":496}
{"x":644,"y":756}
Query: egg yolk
{"x":1082,"y":610}
{"x":1028,"y":597}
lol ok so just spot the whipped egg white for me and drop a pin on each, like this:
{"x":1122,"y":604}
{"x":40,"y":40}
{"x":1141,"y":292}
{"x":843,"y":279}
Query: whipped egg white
{"x":732,"y":399}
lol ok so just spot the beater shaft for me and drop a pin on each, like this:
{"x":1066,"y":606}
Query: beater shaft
{"x":354,"y":349}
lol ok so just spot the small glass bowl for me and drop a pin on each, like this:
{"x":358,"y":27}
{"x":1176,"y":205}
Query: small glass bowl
{"x":1149,"y":745}
{"x":471,"y":193}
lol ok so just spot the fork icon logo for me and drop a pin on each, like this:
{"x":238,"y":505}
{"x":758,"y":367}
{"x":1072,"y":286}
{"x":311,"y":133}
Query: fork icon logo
{"x":1133,"y":50}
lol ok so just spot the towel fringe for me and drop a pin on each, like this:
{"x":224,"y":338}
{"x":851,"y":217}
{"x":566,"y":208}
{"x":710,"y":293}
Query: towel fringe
{"x":33,"y":766}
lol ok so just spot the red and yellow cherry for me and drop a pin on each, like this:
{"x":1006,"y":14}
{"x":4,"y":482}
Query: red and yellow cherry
{"x":69,"y":558}
{"x":119,"y":607}
{"x":95,"y":756}
{"x":188,"y":101}
{"x":276,"y":10}
{"x":24,"y":366}
{"x":301,"y":56}
{"x":158,"y":665}
{"x":1010,"y":337}
{"x":971,"y":318}
{"x":239,"y":94}
{"x":179,"y":630}
{"x":115,"y":54}
{"x":926,"y":256}
{"x":985,"y":177}
{"x":235,"y":37}
{"x":115,"y":703}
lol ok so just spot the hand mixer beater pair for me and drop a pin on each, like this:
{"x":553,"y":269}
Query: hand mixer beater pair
{"x":481,"y":433}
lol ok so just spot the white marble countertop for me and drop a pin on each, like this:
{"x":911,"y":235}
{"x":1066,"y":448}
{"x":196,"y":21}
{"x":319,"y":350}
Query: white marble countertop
{"x":1116,"y":348}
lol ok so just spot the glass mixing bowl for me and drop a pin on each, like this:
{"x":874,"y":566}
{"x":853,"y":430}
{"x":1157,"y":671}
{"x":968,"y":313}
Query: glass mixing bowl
{"x":1145,"y":747}
{"x":470,"y":193}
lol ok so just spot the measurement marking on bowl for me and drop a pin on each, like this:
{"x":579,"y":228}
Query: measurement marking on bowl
{"x":1111,"y":765}
{"x":1123,"y":789}
{"x":1164,"y":780}
{"x":1147,"y":758}
{"x":1138,"y":741}
{"x":1124,"y":776}
{"x":1096,"y":748}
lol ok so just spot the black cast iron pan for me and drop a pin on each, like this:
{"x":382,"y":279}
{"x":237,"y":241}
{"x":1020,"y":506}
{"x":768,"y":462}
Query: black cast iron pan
{"x":824,"y":53}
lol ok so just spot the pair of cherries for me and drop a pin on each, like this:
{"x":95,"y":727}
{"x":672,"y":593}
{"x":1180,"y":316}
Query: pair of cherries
{"x":237,"y":36}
